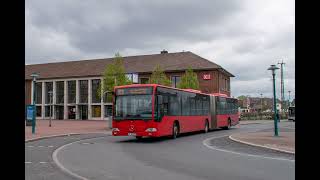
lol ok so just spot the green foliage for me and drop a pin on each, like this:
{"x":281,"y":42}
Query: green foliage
{"x":242,"y":97}
{"x":114,"y":75}
{"x":189,"y":80}
{"x":159,"y":77}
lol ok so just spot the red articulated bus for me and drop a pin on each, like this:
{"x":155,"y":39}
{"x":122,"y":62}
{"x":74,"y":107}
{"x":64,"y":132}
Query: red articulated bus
{"x":154,"y":110}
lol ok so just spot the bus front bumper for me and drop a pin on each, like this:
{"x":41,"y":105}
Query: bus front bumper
{"x":139,"y":133}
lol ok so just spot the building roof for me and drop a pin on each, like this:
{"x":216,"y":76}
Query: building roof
{"x":133,"y":64}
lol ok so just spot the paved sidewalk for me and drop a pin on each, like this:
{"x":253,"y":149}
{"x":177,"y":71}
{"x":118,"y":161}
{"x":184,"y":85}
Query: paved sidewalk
{"x":243,"y":122}
{"x":65,"y":127}
{"x":285,"y":142}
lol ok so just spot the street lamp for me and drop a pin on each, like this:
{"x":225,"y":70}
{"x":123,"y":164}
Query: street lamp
{"x":289,"y":98}
{"x":50,"y":102}
{"x":34,"y":78}
{"x":273,"y":68}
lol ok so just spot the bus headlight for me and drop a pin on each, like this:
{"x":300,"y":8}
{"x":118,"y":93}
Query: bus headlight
{"x":151,"y":130}
{"x":115,"y":130}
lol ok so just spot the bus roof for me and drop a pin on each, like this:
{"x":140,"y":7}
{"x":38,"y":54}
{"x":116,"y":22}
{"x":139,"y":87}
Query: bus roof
{"x":186,"y":90}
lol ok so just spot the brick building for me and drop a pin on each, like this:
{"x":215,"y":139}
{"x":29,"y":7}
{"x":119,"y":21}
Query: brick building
{"x":74,"y":83}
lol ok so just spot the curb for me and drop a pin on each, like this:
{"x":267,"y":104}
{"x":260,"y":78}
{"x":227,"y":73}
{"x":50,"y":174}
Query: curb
{"x":67,"y":134}
{"x":257,"y":145}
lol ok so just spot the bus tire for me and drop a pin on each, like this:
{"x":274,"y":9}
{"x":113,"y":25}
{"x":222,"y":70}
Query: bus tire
{"x":138,"y":137}
{"x":229,"y":125}
{"x":206,"y":127}
{"x":175,"y":130}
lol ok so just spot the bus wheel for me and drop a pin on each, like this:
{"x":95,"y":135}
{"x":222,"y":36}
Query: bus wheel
{"x":175,"y":131}
{"x":138,"y":137}
{"x":206,"y":127}
{"x":229,"y":125}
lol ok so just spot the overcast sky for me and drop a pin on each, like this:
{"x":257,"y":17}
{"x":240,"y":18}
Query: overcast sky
{"x":242,"y":36}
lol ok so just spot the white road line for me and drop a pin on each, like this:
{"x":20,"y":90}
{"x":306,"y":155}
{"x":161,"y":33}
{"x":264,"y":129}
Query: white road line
{"x":30,"y":146}
{"x":50,"y":146}
{"x":42,"y":162}
{"x":40,"y":146}
{"x":28,"y":162}
{"x":55,"y":158}
{"x":205,"y":143}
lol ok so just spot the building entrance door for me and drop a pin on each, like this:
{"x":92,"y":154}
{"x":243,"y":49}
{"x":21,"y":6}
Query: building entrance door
{"x":83,"y":112}
{"x":59,"y":112}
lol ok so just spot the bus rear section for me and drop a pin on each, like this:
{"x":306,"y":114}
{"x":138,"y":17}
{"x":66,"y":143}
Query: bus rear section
{"x":224,"y":111}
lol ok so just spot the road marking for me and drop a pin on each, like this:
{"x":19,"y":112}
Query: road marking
{"x":50,"y":146}
{"x":40,"y":146}
{"x":55,"y":158}
{"x":28,"y":162}
{"x":42,"y":162}
{"x":205,"y":143}
{"x":30,"y":146}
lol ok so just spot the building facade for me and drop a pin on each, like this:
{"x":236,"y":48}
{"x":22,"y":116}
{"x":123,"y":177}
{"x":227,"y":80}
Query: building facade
{"x":69,"y":90}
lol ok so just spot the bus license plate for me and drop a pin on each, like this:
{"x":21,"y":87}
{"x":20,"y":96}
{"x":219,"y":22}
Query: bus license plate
{"x":132,"y":134}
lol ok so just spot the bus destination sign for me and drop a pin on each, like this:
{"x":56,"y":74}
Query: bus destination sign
{"x":134,"y":91}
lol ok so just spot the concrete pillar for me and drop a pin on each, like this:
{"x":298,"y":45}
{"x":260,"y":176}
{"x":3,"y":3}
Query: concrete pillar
{"x":65,"y":101}
{"x":77,"y":99}
{"x":54,"y":98}
{"x":43,"y":100}
{"x":89,"y":99}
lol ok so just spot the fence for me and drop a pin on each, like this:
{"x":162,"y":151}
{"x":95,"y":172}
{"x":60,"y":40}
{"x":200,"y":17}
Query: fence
{"x":261,"y":116}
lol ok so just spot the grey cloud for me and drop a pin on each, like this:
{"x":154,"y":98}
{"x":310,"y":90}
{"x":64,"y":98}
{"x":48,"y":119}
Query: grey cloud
{"x":108,"y":26}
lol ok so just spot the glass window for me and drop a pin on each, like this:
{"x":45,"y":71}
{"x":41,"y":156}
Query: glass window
{"x":107,"y":110}
{"x":96,"y":111}
{"x":185,"y":104}
{"x":175,"y":81}
{"x":221,"y":105}
{"x":83,"y":91}
{"x":48,"y":91}
{"x":199,"y":105}
{"x":94,"y":92}
{"x":59,"y":92}
{"x":71,"y":92}
{"x":192,"y":102}
{"x":47,"y":111}
{"x":133,"y":107}
{"x":206,"y":105}
{"x":174,"y":105}
{"x":38,"y":111}
{"x":38,"y":93}
{"x":144,"y":80}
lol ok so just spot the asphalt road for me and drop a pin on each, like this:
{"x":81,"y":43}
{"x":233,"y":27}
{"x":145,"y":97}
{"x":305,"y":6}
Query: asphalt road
{"x":190,"y":157}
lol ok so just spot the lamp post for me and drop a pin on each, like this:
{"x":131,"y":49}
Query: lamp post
{"x":273,"y":68}
{"x":34,"y":78}
{"x":50,"y":102}
{"x":289,"y":98}
{"x":261,"y":106}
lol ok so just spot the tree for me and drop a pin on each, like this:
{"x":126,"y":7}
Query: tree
{"x":159,"y":77}
{"x":114,"y":75}
{"x":189,"y":80}
{"x":242,"y":97}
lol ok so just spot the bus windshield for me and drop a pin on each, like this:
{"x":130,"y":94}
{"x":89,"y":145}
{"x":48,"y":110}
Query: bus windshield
{"x":133,"y":107}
